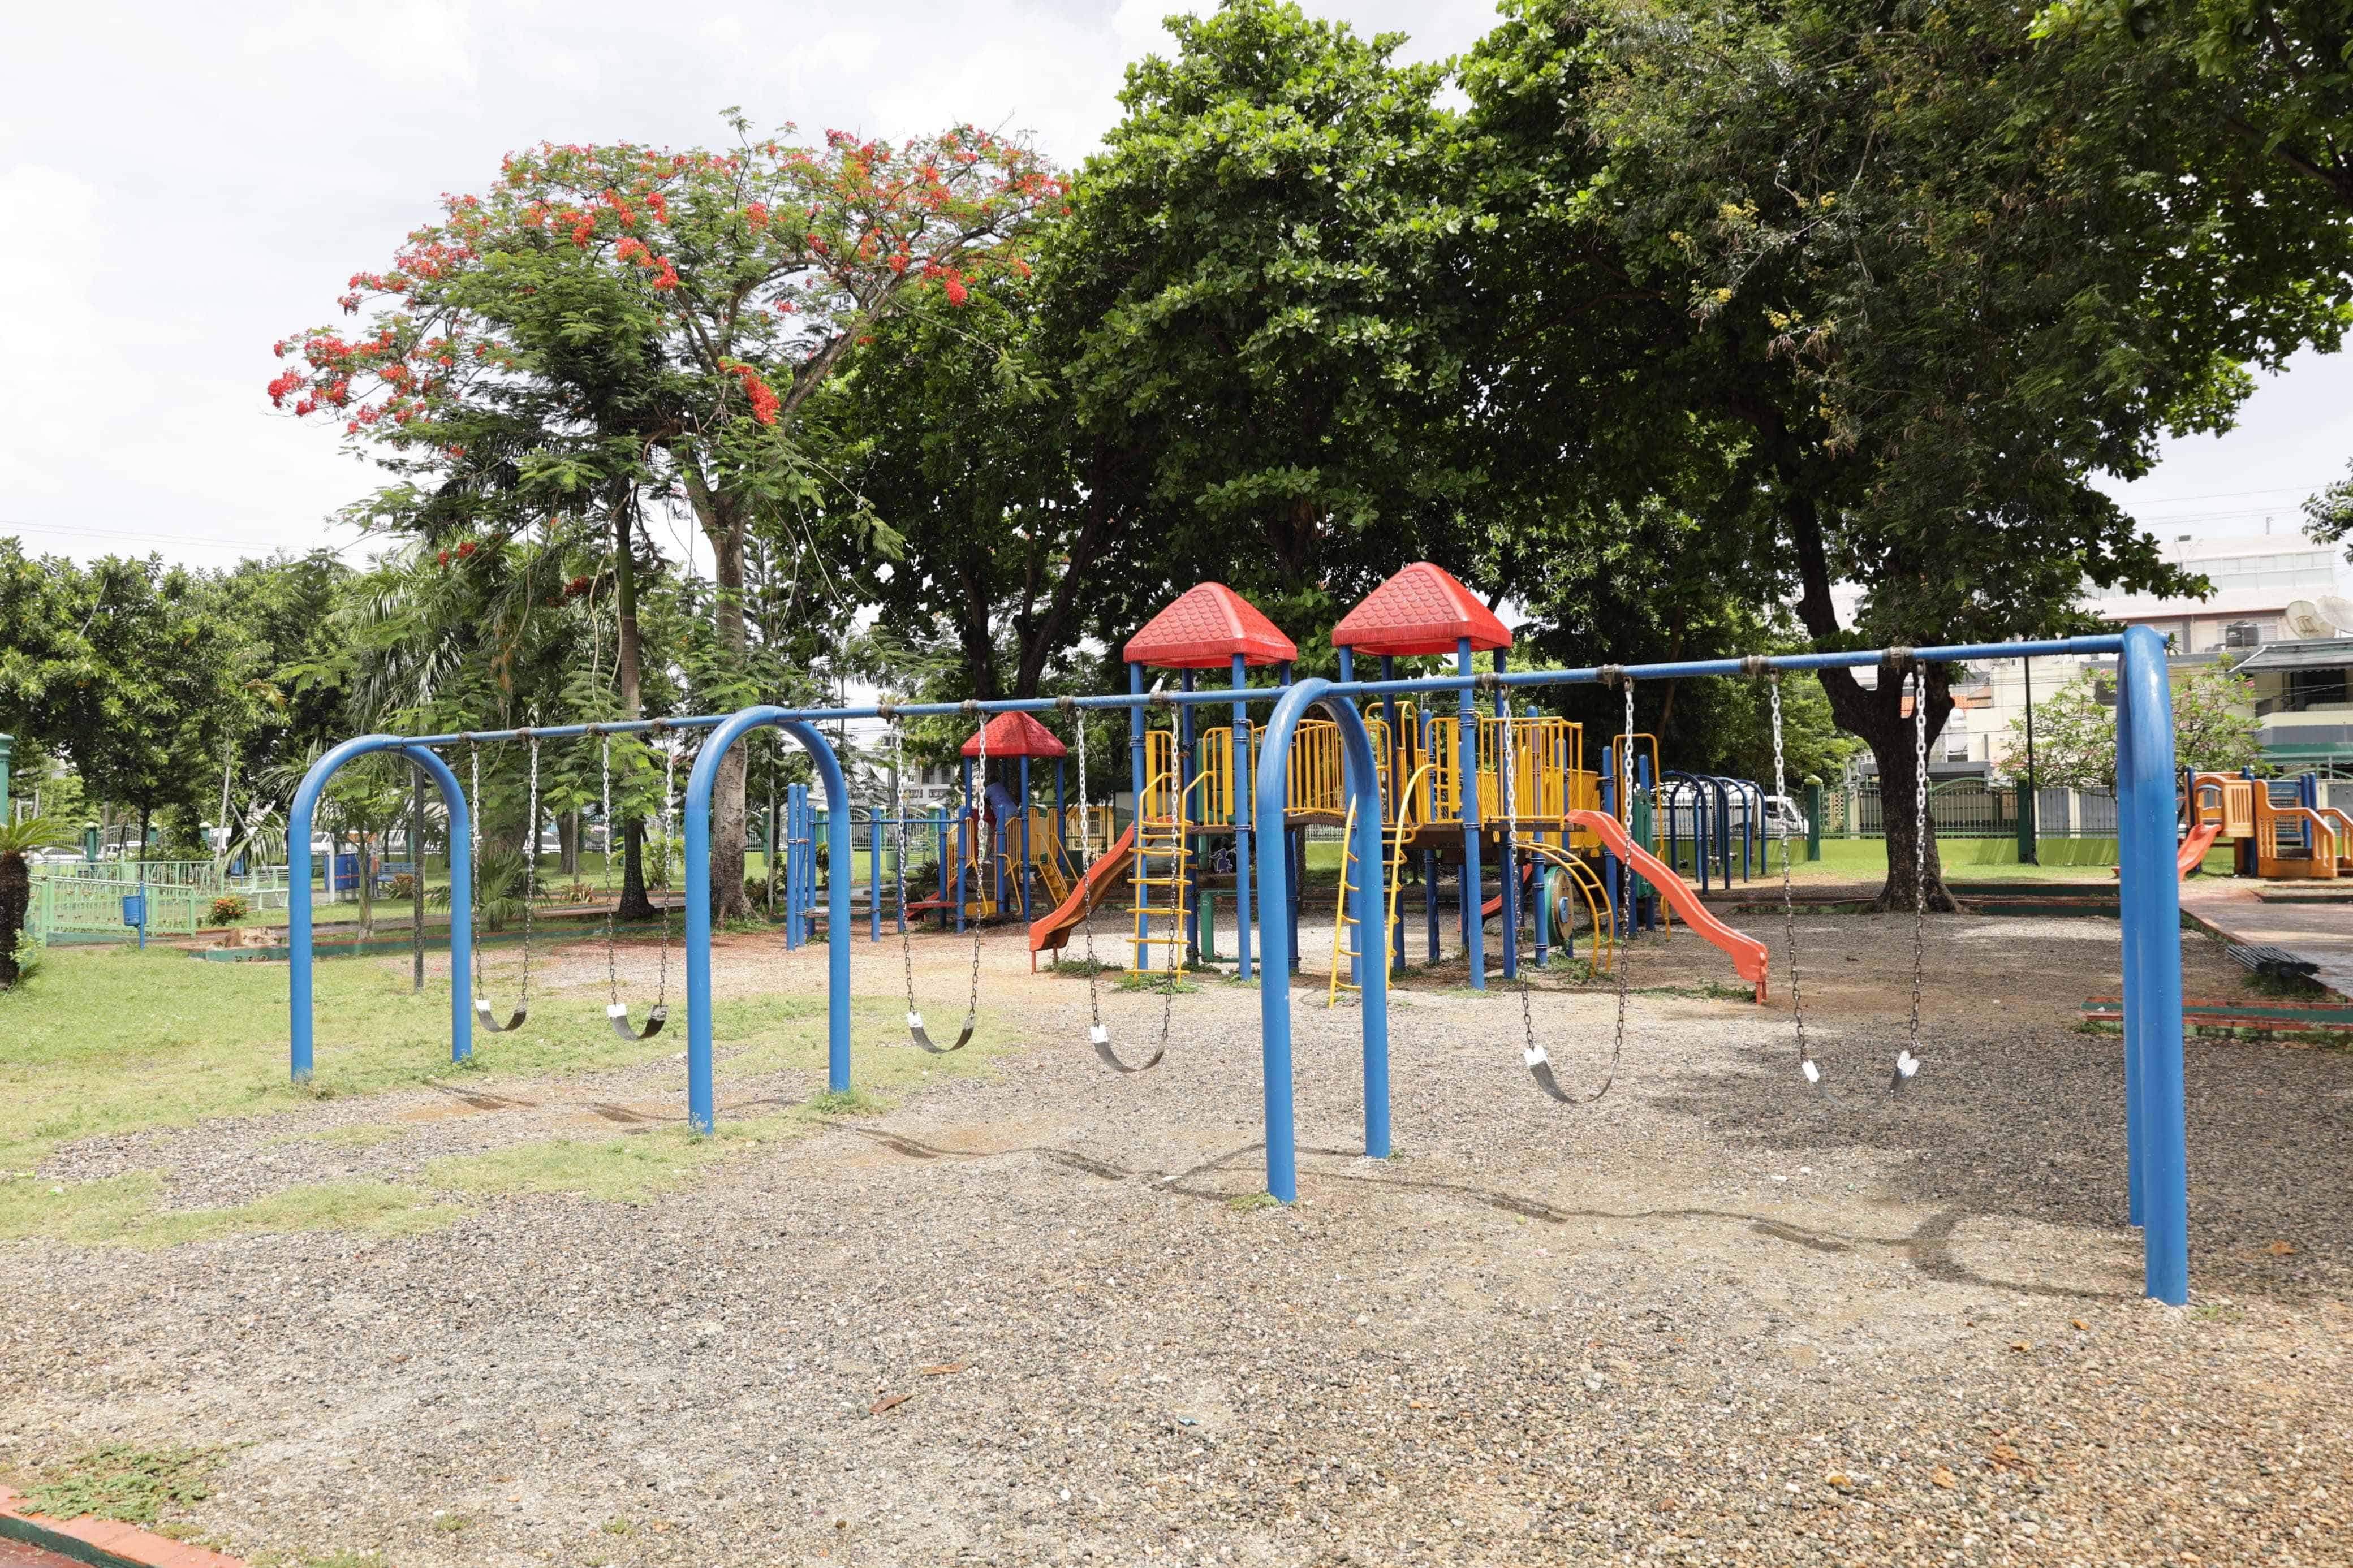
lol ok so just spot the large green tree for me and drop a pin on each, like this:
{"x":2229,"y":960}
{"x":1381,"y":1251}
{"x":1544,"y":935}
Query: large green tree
{"x":621,"y":320}
{"x":1909,"y":281}
{"x":1259,"y":292}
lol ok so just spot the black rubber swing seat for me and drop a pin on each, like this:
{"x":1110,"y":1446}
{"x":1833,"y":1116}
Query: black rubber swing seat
{"x":490,"y":1019}
{"x":618,"y":1014}
{"x":1100,"y":1038}
{"x":1540,"y":1068}
{"x":916,"y":1032}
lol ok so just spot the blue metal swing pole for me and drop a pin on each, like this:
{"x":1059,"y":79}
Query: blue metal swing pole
{"x":1275,"y":882}
{"x":700,"y":1105}
{"x":1466,"y":747}
{"x":300,"y":960}
{"x":1510,"y":908}
{"x":1240,"y":788}
{"x":2149,"y":895}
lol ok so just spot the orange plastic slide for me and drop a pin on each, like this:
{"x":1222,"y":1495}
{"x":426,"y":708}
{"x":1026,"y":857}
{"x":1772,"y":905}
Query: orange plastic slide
{"x":1747,"y":953}
{"x":1053,"y":933}
{"x":2194,"y":848}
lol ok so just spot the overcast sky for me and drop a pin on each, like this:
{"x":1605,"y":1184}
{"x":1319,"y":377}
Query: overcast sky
{"x":186,"y":183}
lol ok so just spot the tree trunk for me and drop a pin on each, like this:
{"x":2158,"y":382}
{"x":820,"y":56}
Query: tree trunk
{"x":724,"y":525}
{"x":16,"y":897}
{"x":1877,"y":716}
{"x":567,"y":842}
{"x":627,"y":666}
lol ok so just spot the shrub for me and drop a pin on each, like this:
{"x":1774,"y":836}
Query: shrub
{"x":226,"y":910}
{"x":402,"y":889}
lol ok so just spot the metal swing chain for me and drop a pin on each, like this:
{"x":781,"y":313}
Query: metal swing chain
{"x":1788,"y":906}
{"x":530,"y":872}
{"x":899,"y":852}
{"x":1508,"y":776}
{"x":474,"y":865}
{"x":1907,"y":1060}
{"x":612,"y":970}
{"x":1086,"y":867}
{"x":1625,"y":953}
{"x":972,"y":1002}
{"x":669,"y":792}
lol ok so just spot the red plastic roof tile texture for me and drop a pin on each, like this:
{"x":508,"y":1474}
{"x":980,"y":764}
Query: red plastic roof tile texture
{"x":1203,"y":629}
{"x":1422,"y":609}
{"x":1018,"y":735}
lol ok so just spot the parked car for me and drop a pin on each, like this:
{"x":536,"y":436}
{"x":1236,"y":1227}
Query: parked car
{"x":1784,"y":816}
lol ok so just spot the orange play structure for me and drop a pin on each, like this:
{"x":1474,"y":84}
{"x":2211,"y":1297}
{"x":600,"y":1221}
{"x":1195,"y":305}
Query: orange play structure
{"x":1441,"y":778}
{"x":2292,"y":842}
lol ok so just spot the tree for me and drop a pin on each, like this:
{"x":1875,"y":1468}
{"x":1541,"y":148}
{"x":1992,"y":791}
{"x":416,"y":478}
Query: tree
{"x":2328,"y":513}
{"x":2256,"y":79}
{"x":729,"y":287}
{"x":1910,"y":279}
{"x":1258,"y":291}
{"x":128,"y":668}
{"x":2214,"y":727}
{"x":17,"y":840}
{"x":958,"y":430}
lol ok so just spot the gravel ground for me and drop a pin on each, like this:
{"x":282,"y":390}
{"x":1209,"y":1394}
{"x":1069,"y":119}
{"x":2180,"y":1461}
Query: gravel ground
{"x":1712,"y":1317}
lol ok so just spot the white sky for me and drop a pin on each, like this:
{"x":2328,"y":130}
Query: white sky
{"x":188,"y":183}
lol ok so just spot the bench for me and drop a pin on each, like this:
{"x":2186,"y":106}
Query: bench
{"x":2276,"y":961}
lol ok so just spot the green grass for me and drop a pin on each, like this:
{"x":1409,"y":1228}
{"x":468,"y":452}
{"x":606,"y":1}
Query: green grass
{"x":113,"y":1041}
{"x":118,"y":1481}
{"x":124,"y":1210}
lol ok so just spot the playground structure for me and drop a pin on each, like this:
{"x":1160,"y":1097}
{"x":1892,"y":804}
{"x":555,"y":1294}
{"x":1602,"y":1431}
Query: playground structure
{"x":2297,"y":838}
{"x":1291,"y":771}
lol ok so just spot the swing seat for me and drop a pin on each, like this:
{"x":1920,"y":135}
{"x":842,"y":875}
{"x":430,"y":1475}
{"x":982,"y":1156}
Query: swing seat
{"x":491,"y":1020}
{"x":1540,"y":1068}
{"x":618,"y":1014}
{"x":916,"y":1032}
{"x":1100,"y":1038}
{"x":1907,"y":1066}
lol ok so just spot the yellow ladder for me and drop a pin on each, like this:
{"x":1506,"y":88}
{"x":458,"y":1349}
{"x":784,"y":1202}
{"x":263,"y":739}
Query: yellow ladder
{"x":1393,"y":837}
{"x":1162,"y":869}
{"x":1344,"y":923}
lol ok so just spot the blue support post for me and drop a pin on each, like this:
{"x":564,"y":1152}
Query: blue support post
{"x":873,"y":878}
{"x":1510,"y":872}
{"x":1357,"y":951}
{"x":1184,"y":804}
{"x":1276,"y":881}
{"x":2149,"y":895}
{"x":1241,"y":791}
{"x":1027,"y":848}
{"x":1429,"y":856}
{"x":1141,"y":959}
{"x":1474,"y":934}
{"x":300,"y":960}
{"x":701,"y":1102}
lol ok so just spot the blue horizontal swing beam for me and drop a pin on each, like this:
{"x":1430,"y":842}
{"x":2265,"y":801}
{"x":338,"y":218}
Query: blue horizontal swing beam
{"x":1784,"y":663}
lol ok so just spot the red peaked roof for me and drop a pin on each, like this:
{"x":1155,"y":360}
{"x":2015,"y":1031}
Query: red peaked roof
{"x":1203,"y":629}
{"x":1422,"y":609}
{"x":1016,"y":735}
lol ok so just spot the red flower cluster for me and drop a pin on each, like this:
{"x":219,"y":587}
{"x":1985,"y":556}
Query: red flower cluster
{"x":466,"y":550}
{"x":578,"y":587}
{"x":764,"y":399}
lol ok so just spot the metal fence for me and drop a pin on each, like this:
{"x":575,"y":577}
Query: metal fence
{"x":1976,"y":808}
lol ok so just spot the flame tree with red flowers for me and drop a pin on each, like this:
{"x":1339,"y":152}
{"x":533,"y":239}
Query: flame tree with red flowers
{"x":616,"y":326}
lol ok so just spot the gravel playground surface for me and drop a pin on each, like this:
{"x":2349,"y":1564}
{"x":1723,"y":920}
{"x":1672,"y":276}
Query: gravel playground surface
{"x":1034,"y":1313}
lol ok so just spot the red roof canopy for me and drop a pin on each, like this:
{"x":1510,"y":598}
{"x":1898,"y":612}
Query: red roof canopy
{"x":1422,"y":609}
{"x":1016,"y":735}
{"x":1203,"y":629}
